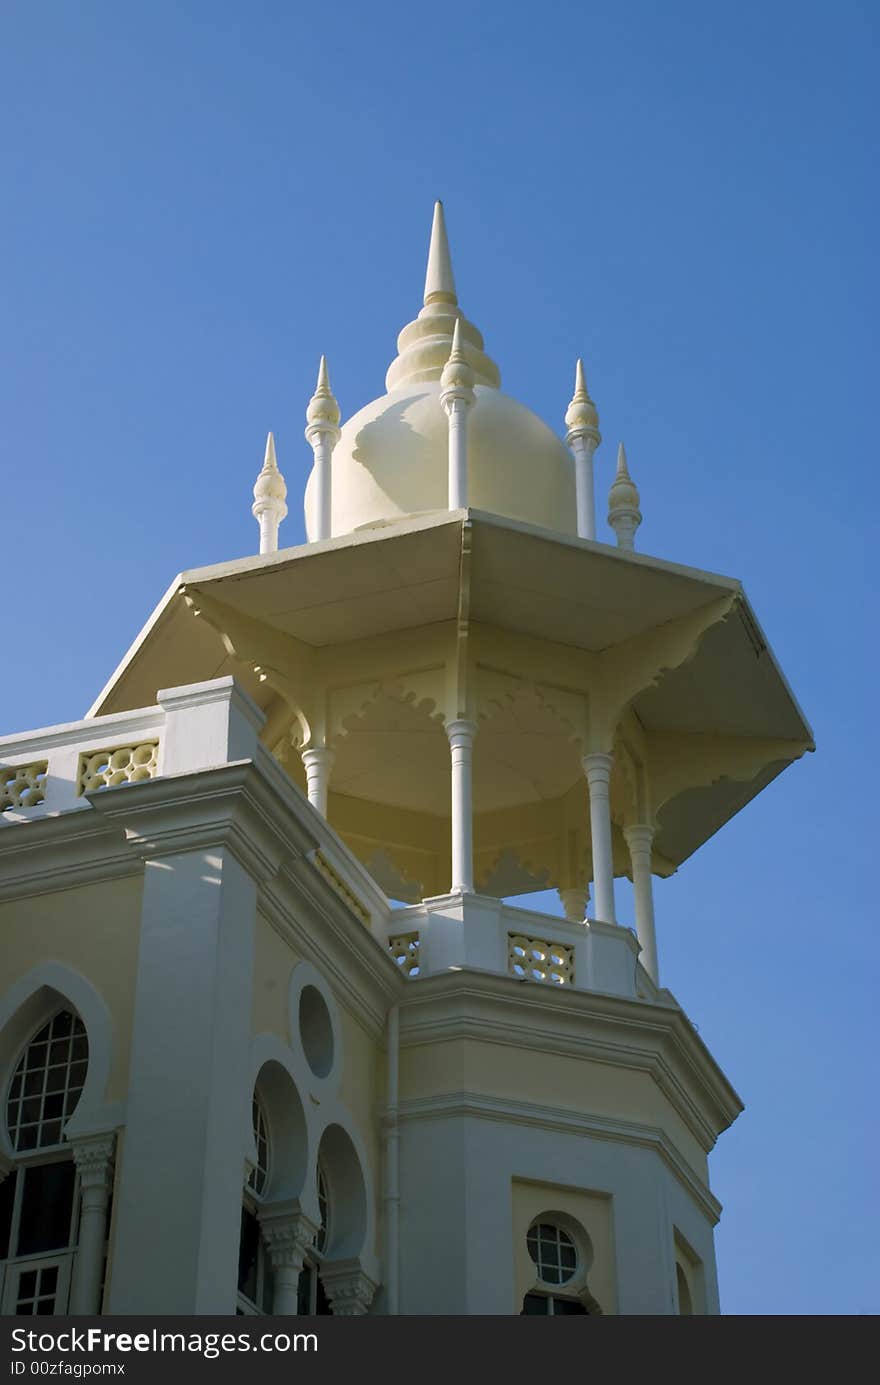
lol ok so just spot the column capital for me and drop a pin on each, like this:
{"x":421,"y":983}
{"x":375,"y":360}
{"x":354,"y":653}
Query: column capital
{"x":288,"y":1233}
{"x":318,"y":755}
{"x":93,"y":1156}
{"x":348,"y":1287}
{"x":598,"y":765}
{"x":461,"y":731}
{"x":639,"y":836}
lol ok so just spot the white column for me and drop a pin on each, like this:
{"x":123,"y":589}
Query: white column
{"x":583,"y":447}
{"x":639,"y":839}
{"x":458,"y":487}
{"x":598,"y":768}
{"x":93,"y":1156}
{"x":461,"y":743}
{"x":288,"y":1235}
{"x":318,"y":764}
{"x":323,"y":451}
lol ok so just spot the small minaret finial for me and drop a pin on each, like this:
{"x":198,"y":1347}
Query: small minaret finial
{"x":624,"y":514}
{"x":583,"y":437}
{"x":457,"y":397}
{"x":270,"y":499}
{"x":322,"y":435}
{"x":439,"y":281}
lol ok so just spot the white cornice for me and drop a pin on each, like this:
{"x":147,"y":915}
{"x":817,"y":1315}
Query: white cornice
{"x":554,"y":1118}
{"x":656,"y":1038}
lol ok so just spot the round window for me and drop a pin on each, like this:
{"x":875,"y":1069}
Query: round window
{"x":553,"y":1251}
{"x":316,"y":1031}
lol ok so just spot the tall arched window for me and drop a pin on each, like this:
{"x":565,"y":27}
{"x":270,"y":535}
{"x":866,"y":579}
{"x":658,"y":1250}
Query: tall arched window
{"x":255,"y":1286}
{"x":38,"y":1201}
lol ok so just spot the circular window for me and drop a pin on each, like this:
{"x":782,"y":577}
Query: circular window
{"x":553,"y":1251}
{"x":316,"y":1031}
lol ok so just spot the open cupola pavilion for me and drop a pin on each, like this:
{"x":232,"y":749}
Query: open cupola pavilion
{"x":480,"y":696}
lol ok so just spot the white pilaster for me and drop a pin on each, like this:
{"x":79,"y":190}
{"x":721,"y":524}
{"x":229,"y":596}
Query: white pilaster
{"x":179,"y":1198}
{"x":322,"y":435}
{"x":461,"y":734}
{"x":318,"y":764}
{"x":583,"y":437}
{"x":93,"y":1156}
{"x":639,"y":839}
{"x":289,"y":1235}
{"x":457,"y":397}
{"x":598,"y":769}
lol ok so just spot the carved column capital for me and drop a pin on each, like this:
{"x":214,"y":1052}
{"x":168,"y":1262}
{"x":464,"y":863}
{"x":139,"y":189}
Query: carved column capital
{"x":93,"y":1156}
{"x":288,"y":1234}
{"x":348,"y":1287}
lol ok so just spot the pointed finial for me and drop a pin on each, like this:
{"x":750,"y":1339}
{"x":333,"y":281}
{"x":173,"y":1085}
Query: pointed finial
{"x":270,"y":499}
{"x":624,"y":514}
{"x":457,"y":376}
{"x":439,"y":281}
{"x":323,"y":410}
{"x":581,"y":413}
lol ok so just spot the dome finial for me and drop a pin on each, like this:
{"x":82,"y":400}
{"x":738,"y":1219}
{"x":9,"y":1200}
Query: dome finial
{"x":583,"y":437}
{"x":439,"y":280}
{"x":322,"y":435}
{"x":457,"y":397}
{"x":624,"y":514}
{"x":270,"y":499}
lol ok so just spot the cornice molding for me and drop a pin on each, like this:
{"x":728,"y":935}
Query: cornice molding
{"x":479,"y":1106}
{"x":652,"y":1037}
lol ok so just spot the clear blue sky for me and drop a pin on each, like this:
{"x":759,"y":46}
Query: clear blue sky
{"x":198,"y":199}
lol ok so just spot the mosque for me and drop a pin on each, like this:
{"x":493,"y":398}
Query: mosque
{"x":271,"y":1038}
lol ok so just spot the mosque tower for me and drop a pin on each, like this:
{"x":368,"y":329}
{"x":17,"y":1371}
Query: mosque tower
{"x":271,"y":1039}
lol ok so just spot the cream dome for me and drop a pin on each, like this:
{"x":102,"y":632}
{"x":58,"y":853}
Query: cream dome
{"x":391,"y":461}
{"x":392,"y":458}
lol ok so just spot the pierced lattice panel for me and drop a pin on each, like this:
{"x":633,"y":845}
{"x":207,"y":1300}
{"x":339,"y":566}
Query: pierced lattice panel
{"x":127,"y":764}
{"x":405,"y":951}
{"x":22,"y":786}
{"x":538,"y":960}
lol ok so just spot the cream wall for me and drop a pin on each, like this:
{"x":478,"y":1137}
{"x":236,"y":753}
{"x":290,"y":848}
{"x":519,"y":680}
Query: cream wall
{"x":94,"y":929}
{"x":549,"y":1080}
{"x":592,"y":1211}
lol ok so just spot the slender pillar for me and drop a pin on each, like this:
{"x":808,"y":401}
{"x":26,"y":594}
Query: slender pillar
{"x":461,"y":744}
{"x":318,"y":764}
{"x":598,"y":768}
{"x":322,"y":435}
{"x":624,"y":514}
{"x":583,"y":437}
{"x":392,"y":1164}
{"x":639,"y":839}
{"x":93,"y":1156}
{"x":457,"y":397}
{"x":289,"y":1235}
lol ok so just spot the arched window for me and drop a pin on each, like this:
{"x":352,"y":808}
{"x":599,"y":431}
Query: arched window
{"x":255,"y":1286}
{"x":38,"y":1200}
{"x":559,"y":1250}
{"x":685,"y":1302}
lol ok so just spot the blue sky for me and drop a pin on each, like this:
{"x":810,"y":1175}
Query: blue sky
{"x":199,"y":199}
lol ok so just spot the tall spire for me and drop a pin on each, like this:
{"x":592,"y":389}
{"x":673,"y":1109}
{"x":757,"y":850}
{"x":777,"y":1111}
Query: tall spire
{"x":457,"y":397}
{"x":439,"y":280}
{"x":423,"y":345}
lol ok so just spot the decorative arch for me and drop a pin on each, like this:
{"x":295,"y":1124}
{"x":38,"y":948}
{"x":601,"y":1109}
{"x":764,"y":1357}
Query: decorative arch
{"x":275,"y":1079}
{"x":343,"y":1169}
{"x":30,"y":1002}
